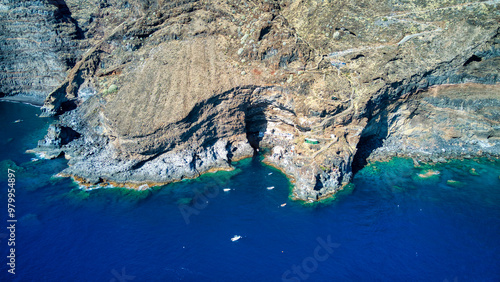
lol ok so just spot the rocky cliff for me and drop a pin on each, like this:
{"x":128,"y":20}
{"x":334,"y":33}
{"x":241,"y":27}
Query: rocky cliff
{"x":38,"y":44}
{"x":165,"y":90}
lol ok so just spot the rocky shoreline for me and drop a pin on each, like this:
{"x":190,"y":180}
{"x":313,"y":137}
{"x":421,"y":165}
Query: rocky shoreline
{"x":160,"y":93}
{"x":445,"y":122}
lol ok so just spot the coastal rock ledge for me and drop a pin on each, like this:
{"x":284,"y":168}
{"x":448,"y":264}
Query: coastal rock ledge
{"x":152,"y":92}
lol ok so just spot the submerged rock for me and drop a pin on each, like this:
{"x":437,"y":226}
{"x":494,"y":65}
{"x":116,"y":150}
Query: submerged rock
{"x":473,"y":171}
{"x":454,"y":183}
{"x":429,"y":173}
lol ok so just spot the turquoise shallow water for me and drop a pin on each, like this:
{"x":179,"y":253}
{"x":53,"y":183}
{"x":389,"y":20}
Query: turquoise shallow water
{"x":390,"y":225}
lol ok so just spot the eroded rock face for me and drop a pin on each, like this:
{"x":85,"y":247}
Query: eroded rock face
{"x":169,"y":90}
{"x":38,"y":44}
{"x":450,"y":121}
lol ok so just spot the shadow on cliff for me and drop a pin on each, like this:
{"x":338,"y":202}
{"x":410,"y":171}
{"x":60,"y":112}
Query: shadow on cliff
{"x":255,"y":123}
{"x":372,"y":137}
{"x":214,"y":118}
{"x":64,"y":14}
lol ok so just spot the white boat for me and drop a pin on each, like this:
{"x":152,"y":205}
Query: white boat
{"x":236,"y":238}
{"x":270,"y":173}
{"x":270,"y":188}
{"x":226,"y":189}
{"x":283,"y":204}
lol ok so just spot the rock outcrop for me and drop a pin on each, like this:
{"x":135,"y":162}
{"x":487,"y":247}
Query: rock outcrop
{"x":170,"y":90}
{"x":449,"y":121}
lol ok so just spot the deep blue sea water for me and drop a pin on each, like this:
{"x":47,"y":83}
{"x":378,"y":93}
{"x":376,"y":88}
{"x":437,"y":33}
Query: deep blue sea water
{"x":390,"y":225}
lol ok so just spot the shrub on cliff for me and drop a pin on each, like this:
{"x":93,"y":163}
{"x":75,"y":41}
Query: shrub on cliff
{"x":112,"y":89}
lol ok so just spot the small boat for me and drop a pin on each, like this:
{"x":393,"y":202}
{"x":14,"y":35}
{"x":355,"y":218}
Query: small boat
{"x":284,"y":204}
{"x":270,"y":188}
{"x":17,"y":121}
{"x":34,"y":159}
{"x":236,"y":238}
{"x":270,"y":173}
{"x":226,"y":189}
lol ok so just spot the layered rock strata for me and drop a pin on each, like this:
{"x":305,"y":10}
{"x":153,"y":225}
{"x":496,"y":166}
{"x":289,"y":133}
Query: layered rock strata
{"x":38,"y":42}
{"x":448,"y":121}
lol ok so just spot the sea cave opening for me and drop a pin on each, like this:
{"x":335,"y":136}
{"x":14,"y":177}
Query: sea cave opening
{"x":372,"y":138}
{"x":255,"y":125}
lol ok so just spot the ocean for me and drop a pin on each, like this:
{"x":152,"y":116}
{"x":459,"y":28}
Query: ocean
{"x":390,"y":224}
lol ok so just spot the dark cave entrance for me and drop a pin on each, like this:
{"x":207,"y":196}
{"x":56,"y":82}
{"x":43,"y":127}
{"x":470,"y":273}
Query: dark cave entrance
{"x":366,"y":146}
{"x":319,"y":185}
{"x":372,"y":137}
{"x":255,"y":124}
